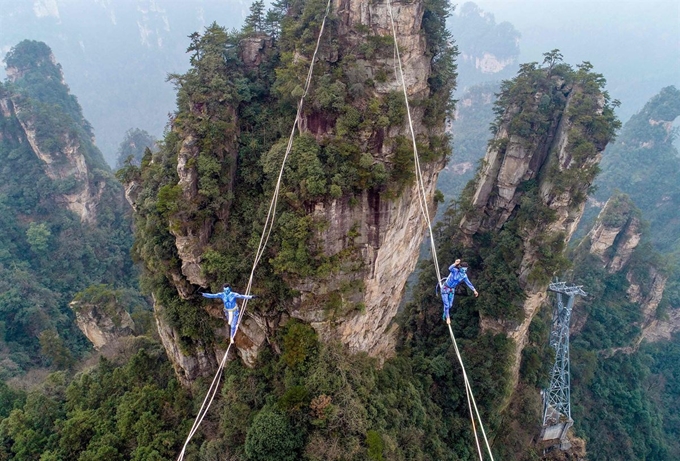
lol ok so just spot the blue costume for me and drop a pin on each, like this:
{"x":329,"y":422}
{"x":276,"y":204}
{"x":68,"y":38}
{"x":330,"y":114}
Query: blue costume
{"x":456,"y":275}
{"x":231,"y":309}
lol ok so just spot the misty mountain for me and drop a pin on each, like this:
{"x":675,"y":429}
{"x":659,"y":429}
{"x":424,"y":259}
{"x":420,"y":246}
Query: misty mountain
{"x":116,"y":55}
{"x":488,"y":50}
{"x":328,"y":364}
{"x":65,"y":224}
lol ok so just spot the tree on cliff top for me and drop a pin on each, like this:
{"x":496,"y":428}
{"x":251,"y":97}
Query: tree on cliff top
{"x":255,"y":21}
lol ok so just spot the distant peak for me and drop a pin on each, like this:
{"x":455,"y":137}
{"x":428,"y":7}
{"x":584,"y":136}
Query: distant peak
{"x":30,"y":56}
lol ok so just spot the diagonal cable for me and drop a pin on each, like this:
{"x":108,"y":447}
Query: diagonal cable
{"x":264,"y":239}
{"x":422,"y":196}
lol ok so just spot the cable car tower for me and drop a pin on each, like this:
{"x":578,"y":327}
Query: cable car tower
{"x":556,"y":399}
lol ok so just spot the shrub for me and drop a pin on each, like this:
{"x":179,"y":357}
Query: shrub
{"x":271,"y":438}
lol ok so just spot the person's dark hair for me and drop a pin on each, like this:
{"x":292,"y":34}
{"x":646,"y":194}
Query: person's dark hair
{"x":225,"y":286}
{"x":463,"y":264}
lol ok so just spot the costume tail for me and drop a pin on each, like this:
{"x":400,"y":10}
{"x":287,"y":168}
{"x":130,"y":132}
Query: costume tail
{"x":437,"y":290}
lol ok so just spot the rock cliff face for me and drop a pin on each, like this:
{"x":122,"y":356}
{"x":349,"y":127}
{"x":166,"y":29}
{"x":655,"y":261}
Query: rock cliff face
{"x":188,"y":364}
{"x":357,"y":15}
{"x":67,"y":163}
{"x":535,"y":177}
{"x":523,"y":158}
{"x":616,"y":233}
{"x":388,"y":229}
{"x":662,"y":329}
{"x":371,"y":232}
{"x":103,"y":324}
{"x":497,"y":196}
{"x":613,"y":239}
{"x":390,"y":234}
{"x":59,"y":149}
{"x":603,"y":238}
{"x":649,"y":297}
{"x":191,"y":237}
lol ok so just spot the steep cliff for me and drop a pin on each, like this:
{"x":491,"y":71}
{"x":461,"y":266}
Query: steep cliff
{"x":53,"y":125}
{"x":616,"y":233}
{"x":376,"y":231}
{"x":627,"y":323}
{"x":65,"y":222}
{"x":349,"y":228}
{"x":614,"y":239}
{"x":512,"y":224}
{"x":552,"y":125}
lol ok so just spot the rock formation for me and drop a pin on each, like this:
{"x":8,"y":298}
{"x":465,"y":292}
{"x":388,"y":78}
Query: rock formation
{"x":367,"y":226}
{"x":388,"y":230}
{"x":357,"y":15}
{"x":662,"y":329}
{"x":192,"y":233}
{"x":59,"y":144}
{"x":64,"y":164}
{"x":616,"y":233}
{"x":389,"y":236}
{"x":103,"y":324}
{"x":517,"y":160}
{"x":614,"y":238}
{"x":535,"y":177}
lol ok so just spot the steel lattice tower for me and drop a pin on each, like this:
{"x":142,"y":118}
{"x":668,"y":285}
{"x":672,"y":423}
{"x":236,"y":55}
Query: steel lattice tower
{"x":557,"y":398}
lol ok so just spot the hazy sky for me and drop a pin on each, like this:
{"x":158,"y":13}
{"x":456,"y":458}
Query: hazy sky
{"x":635,"y":44}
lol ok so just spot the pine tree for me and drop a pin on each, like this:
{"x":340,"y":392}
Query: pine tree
{"x":272,"y":22}
{"x":255,"y":20}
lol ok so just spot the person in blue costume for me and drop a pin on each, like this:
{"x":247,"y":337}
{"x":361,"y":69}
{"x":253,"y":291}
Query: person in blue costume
{"x":457,"y":274}
{"x":231,"y":309}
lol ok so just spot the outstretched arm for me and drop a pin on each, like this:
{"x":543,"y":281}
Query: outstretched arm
{"x":469,"y":284}
{"x":240,"y":296}
{"x":211,"y":295}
